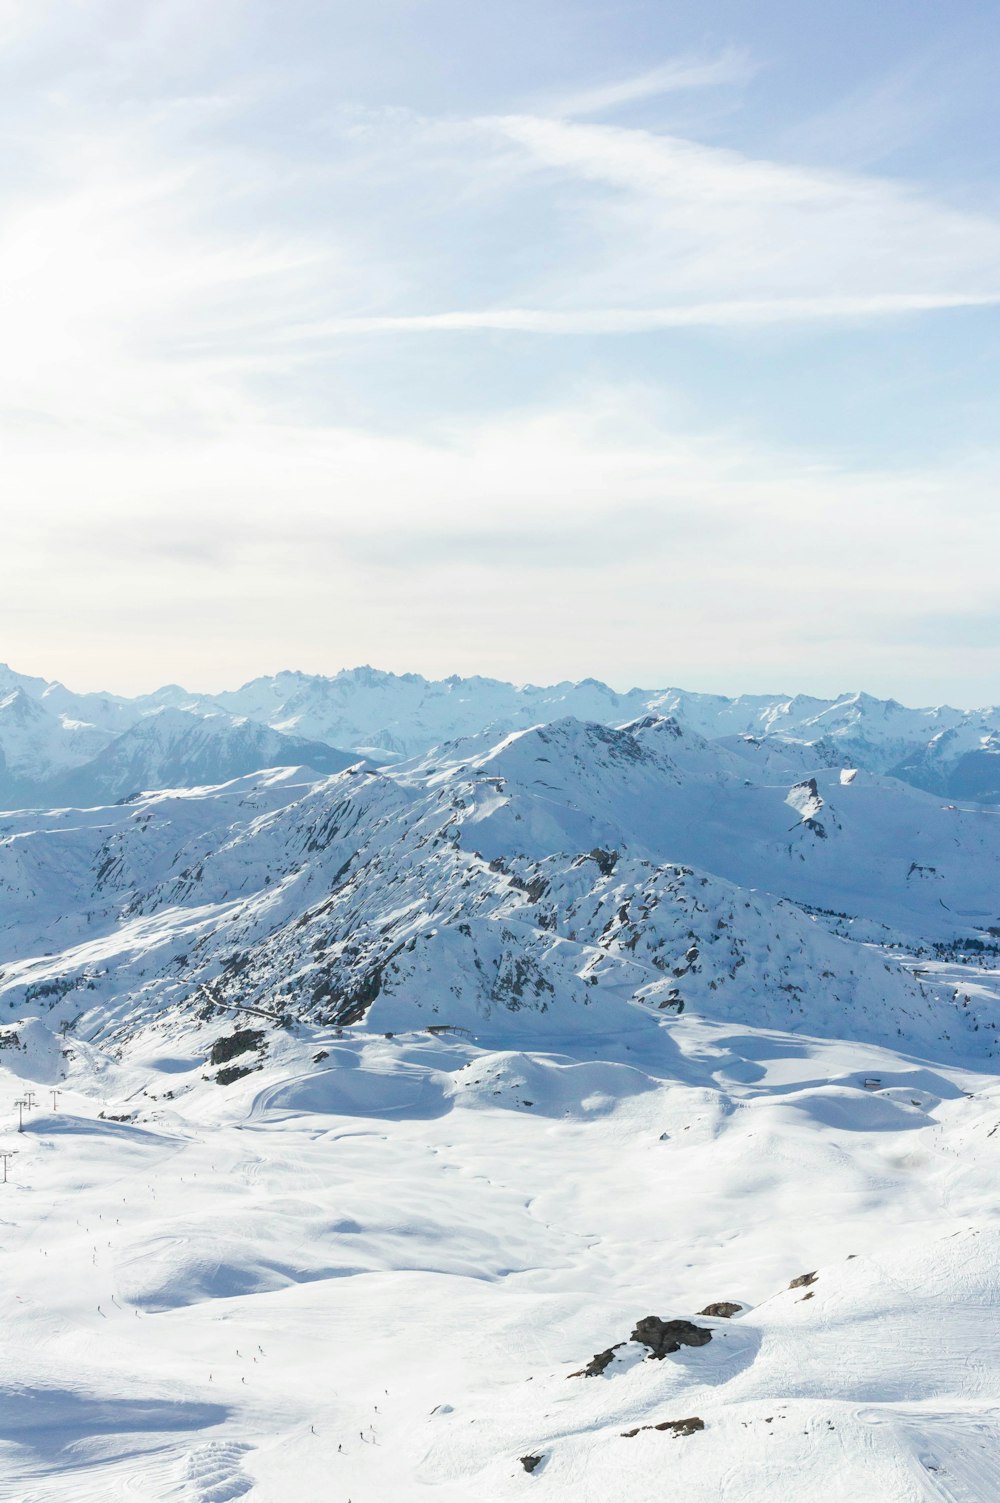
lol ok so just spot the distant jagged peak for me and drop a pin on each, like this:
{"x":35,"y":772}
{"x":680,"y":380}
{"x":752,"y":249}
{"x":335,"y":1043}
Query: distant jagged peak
{"x":567,"y":731}
{"x":11,"y":680}
{"x":567,"y":735}
{"x":367,"y":676}
{"x":17,"y":704}
{"x":169,"y":720}
{"x":802,"y":702}
{"x":172,"y":694}
{"x":660,"y":725}
{"x":572,"y":749}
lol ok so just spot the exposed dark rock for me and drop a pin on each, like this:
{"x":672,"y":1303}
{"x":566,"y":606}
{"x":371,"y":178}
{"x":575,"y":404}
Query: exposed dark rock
{"x":682,"y":1426}
{"x":323,"y":1054}
{"x":606,"y":860}
{"x":240,"y":1042}
{"x":516,"y":976}
{"x":803,"y":1279}
{"x":661,"y":1336}
{"x":666,"y":1336}
{"x":530,"y":1462}
{"x":598,"y":1362}
{"x":674,"y":1427}
{"x":723,"y":1310}
{"x":229,"y":1073}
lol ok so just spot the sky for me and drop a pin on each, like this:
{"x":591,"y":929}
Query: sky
{"x":658,"y":343}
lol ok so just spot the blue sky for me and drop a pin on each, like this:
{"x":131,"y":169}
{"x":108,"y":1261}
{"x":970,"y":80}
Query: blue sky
{"x":659,"y":343}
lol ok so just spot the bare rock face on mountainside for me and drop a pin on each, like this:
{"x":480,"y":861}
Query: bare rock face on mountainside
{"x":661,"y":1337}
{"x":672,"y":1427}
{"x":599,"y":1362}
{"x":666,"y":1336}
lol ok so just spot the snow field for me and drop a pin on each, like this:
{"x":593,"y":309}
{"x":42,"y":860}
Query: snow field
{"x":205,"y":1307}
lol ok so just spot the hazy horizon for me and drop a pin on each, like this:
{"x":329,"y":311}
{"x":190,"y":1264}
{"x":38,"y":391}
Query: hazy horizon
{"x":620,"y":685}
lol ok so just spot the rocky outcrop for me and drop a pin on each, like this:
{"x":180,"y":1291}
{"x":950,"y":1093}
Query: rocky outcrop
{"x":673,"y":1427}
{"x":661,"y":1337}
{"x":230,"y":1045}
{"x":598,"y":1362}
{"x":666,"y":1336}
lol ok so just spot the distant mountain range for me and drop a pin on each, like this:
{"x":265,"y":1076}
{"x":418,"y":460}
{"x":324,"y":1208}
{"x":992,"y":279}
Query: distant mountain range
{"x":59,"y":746}
{"x":553,"y":879}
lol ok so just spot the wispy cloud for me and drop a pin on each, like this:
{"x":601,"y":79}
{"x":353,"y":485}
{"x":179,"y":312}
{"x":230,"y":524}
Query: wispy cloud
{"x":679,"y":74}
{"x":157,"y":271}
{"x":128,"y":299}
{"x":648,"y":232}
{"x":674,"y":215}
{"x":584,"y":321}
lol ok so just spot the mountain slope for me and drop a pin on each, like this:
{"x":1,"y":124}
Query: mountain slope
{"x":171,"y":748}
{"x":36,"y":746}
{"x":529,"y":879}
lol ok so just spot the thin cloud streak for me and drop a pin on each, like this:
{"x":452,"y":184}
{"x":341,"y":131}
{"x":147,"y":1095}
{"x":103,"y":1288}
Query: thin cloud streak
{"x":679,"y":74}
{"x":669,"y":215}
{"x":647,"y":320}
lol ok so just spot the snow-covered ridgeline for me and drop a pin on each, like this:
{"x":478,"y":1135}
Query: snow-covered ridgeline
{"x":538,"y":875}
{"x":56,"y":745}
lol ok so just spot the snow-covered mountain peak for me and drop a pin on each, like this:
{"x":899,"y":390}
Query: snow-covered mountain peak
{"x":20,"y":705}
{"x":9,"y":681}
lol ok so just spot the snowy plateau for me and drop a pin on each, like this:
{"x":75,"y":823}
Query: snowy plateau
{"x":474,"y":1092}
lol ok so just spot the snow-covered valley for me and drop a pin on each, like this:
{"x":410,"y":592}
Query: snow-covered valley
{"x":373,"y":1111}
